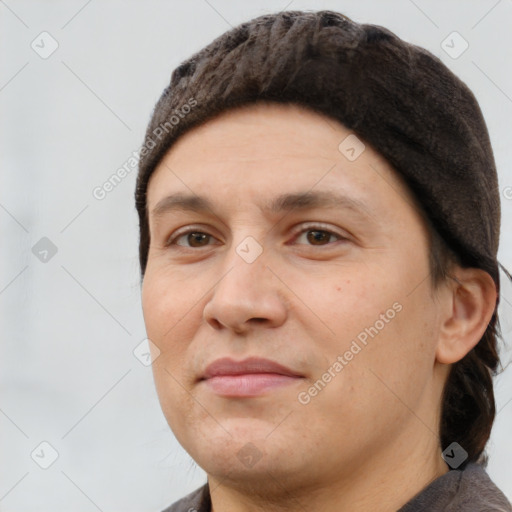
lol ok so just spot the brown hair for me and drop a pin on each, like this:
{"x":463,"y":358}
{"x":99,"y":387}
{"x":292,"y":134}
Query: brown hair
{"x":467,"y":407}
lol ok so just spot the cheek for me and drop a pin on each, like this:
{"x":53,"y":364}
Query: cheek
{"x":164,"y":304}
{"x":383,"y":378}
{"x":380,"y":326}
{"x":167,"y":318}
{"x":399,"y":358}
{"x":353,"y":303}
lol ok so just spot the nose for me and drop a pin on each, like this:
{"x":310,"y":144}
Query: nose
{"x":248,"y":295}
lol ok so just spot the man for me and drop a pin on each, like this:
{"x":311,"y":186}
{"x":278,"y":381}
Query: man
{"x":319,"y":221}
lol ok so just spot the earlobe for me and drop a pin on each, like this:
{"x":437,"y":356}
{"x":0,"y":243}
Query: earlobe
{"x":473,"y":300}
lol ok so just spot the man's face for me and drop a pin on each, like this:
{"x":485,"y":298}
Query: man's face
{"x":338,"y":292}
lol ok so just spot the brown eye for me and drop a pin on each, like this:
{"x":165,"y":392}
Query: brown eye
{"x":193,"y":239}
{"x":318,"y":237}
{"x":197,"y":239}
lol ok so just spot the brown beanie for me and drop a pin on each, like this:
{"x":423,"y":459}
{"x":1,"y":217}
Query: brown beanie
{"x":397,"y":96}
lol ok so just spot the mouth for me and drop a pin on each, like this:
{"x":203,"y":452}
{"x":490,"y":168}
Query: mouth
{"x":250,"y":384}
{"x":248,"y":378}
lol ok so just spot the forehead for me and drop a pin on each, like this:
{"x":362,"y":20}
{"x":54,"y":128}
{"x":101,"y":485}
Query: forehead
{"x":270,"y":154}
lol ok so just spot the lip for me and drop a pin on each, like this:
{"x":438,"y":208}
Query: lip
{"x":250,"y":377}
{"x":252,"y":365}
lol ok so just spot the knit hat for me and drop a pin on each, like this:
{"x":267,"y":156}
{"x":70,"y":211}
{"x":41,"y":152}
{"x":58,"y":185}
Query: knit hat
{"x":395,"y":95}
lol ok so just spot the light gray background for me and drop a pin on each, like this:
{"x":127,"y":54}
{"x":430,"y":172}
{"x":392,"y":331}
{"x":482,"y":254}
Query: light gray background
{"x":69,"y":325}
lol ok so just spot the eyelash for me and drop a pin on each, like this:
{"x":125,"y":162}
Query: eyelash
{"x":314,"y":227}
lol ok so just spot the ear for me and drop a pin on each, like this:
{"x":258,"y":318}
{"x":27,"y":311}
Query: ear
{"x":472,"y":298}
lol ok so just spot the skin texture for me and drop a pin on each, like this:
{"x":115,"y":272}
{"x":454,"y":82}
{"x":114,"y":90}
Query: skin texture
{"x":368,"y":440}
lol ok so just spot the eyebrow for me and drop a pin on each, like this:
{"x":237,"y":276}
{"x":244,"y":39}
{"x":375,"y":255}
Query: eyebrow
{"x":282,"y":203}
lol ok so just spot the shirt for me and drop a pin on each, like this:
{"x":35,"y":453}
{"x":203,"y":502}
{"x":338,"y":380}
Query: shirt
{"x":467,"y":490}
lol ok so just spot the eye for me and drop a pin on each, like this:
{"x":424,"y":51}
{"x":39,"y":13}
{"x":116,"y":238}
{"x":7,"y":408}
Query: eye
{"x":192,"y":236}
{"x":317,"y":236}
